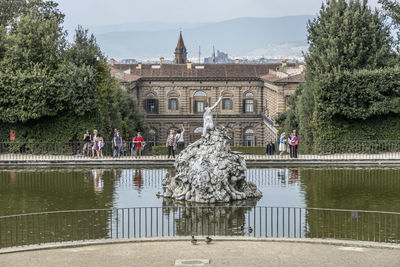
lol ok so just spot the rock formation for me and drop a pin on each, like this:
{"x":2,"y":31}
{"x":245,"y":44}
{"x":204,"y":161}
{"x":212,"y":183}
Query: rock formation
{"x":207,"y":171}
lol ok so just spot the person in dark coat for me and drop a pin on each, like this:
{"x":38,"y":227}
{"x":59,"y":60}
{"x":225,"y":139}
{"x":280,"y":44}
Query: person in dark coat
{"x":270,"y":148}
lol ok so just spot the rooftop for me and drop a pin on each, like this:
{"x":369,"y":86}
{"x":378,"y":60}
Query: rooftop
{"x":134,"y":72}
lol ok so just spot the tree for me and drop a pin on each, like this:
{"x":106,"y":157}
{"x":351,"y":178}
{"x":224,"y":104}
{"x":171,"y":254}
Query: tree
{"x":391,"y":8}
{"x":346,"y":37}
{"x":45,"y":82}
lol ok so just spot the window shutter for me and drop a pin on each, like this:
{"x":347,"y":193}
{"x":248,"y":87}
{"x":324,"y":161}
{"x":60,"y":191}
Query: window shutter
{"x":244,"y":106}
{"x":169,"y":103}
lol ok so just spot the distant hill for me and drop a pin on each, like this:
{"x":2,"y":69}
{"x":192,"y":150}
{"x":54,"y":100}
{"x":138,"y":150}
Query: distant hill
{"x":283,"y":36}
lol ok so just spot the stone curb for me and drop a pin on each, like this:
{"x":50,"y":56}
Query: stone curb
{"x":170,"y":163}
{"x":73,"y":244}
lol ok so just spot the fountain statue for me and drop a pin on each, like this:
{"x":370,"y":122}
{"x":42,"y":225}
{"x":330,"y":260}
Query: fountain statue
{"x":207,"y":171}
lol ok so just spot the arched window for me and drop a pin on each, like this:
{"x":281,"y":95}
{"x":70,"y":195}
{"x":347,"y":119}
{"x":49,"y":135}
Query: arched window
{"x":173,"y":104}
{"x":249,"y":137}
{"x":150,"y":95}
{"x":200,"y":93}
{"x":248,"y":103}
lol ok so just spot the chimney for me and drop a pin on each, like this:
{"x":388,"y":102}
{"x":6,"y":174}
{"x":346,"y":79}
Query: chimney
{"x":161,"y":60}
{"x":236,"y":61}
{"x":189,"y":65}
{"x":284,"y":63}
{"x":139,"y":66}
{"x":112,"y":62}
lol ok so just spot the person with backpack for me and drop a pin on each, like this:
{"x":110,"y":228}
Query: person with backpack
{"x":138,"y":141}
{"x":117,"y":142}
{"x":179,"y":139}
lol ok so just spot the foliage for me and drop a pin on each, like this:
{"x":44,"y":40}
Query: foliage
{"x":159,"y":150}
{"x":47,"y":83}
{"x":375,"y":131}
{"x":347,"y":35}
{"x":351,"y":82}
{"x":391,"y":8}
{"x":360,"y":94}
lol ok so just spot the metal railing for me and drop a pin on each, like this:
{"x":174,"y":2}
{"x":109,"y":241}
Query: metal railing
{"x":383,"y":149}
{"x":284,"y":222}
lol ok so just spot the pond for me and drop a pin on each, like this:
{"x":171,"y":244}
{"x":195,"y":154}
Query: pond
{"x":43,"y":189}
{"x":29,"y":190}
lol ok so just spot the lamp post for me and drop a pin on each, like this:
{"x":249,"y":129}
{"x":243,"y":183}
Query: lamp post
{"x":96,"y":59}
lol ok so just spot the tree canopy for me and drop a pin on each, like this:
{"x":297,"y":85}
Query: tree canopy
{"x":43,"y":76}
{"x":350,"y":76}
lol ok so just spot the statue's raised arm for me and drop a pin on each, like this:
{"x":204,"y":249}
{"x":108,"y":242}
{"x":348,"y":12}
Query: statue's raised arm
{"x":208,"y":124}
{"x":216,"y":103}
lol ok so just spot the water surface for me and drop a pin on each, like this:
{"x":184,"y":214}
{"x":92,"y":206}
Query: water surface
{"x":43,"y":189}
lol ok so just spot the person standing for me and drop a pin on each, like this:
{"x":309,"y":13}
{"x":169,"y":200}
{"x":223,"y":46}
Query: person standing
{"x":132,"y":145}
{"x":87,"y":140}
{"x":289,"y":140}
{"x":171,"y":144}
{"x":100,"y":145}
{"x":117,"y":142}
{"x":179,"y":139}
{"x":115,"y":152}
{"x":282,"y":144}
{"x":270,"y":148}
{"x":94,"y":143}
{"x":295,"y":144}
{"x":138,"y":143}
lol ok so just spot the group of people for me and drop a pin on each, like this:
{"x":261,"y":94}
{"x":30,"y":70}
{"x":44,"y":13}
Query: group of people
{"x":285,"y":145}
{"x":119,"y":145}
{"x":93,"y":144}
{"x":175,"y":141}
{"x":289,"y":144}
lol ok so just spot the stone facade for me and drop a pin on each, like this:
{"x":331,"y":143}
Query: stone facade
{"x":176,"y":94}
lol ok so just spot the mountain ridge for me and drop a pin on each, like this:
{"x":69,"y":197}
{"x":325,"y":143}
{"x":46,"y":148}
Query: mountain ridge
{"x":238,"y":37}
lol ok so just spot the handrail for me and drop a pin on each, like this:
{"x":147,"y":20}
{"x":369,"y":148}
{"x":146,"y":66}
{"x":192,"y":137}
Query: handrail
{"x":256,"y":221}
{"x":195,"y":207}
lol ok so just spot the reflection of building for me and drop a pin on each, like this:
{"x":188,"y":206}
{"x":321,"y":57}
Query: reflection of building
{"x":176,"y":94}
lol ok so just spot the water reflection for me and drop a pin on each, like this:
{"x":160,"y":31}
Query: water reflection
{"x":35,"y":190}
{"x":39,"y":190}
{"x":98,"y":180}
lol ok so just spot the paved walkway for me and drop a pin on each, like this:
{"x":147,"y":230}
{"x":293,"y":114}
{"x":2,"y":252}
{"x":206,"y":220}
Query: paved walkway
{"x":219,"y":253}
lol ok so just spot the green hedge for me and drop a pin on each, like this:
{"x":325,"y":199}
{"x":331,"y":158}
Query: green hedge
{"x":374,"y":135}
{"x":159,"y":150}
{"x":254,"y":150}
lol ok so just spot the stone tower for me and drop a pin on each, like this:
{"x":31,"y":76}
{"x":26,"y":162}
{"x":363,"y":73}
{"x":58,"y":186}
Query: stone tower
{"x":180,"y":51}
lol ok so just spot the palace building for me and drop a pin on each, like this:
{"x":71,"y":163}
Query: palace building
{"x":176,"y":94}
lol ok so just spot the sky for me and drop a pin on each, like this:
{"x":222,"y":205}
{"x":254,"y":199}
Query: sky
{"x":111,"y":12}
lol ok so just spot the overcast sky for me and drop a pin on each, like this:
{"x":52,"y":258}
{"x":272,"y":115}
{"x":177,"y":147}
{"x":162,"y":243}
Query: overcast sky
{"x":106,"y":12}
